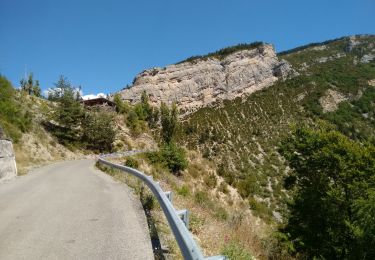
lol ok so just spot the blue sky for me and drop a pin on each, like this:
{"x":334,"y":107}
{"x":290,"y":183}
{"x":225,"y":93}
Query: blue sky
{"x":102,"y":45}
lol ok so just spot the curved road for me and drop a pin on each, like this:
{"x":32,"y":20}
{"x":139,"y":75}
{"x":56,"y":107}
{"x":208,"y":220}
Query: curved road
{"x":70,"y":210}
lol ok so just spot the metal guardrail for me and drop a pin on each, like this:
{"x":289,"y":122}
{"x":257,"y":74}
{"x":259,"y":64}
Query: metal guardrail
{"x":178,"y":220}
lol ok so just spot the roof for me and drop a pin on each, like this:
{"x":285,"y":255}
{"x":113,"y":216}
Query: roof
{"x":98,"y":101}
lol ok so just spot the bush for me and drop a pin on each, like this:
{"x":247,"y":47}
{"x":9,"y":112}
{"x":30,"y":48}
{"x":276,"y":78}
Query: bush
{"x":174,"y":157}
{"x":210,"y":180}
{"x":201,"y":198}
{"x":221,"y":213}
{"x":183,"y":191}
{"x":170,"y":156}
{"x":131,"y":162}
{"x":223,"y":187}
{"x":234,"y":250}
{"x":13,"y":118}
{"x":248,"y":186}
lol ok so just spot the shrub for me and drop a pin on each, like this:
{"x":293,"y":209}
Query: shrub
{"x":223,"y":187}
{"x":183,"y":191}
{"x":13,"y":118}
{"x":174,"y":157}
{"x":170,"y":156}
{"x":201,"y":198}
{"x":210,"y":180}
{"x":248,"y":186}
{"x":260,"y":209}
{"x":221,"y":213}
{"x":233,"y":250}
{"x":131,"y":162}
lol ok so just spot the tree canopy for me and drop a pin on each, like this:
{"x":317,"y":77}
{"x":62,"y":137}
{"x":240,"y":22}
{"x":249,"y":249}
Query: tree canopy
{"x":332,"y":212}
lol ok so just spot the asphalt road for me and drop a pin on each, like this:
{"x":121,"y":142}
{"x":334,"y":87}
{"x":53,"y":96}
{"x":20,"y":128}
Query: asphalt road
{"x":70,"y":210}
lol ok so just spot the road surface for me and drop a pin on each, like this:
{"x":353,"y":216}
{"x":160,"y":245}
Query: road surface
{"x":70,"y":210}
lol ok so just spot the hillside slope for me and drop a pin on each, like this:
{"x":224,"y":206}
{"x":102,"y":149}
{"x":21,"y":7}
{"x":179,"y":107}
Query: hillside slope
{"x":336,"y":84}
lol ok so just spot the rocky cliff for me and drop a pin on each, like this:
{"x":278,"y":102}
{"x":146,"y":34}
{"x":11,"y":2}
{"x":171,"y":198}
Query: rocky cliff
{"x":8,"y":167}
{"x":198,"y":83}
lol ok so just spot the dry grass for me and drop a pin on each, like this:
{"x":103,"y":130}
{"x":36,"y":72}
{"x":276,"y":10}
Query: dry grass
{"x":217,"y":218}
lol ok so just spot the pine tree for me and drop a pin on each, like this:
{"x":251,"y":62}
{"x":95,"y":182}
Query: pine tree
{"x":169,"y":122}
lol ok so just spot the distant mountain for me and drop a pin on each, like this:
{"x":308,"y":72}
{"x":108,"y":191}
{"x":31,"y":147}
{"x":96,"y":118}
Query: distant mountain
{"x":202,"y":80}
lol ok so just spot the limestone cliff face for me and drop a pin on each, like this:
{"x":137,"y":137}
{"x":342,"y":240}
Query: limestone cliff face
{"x":201,"y":82}
{"x":8,"y":167}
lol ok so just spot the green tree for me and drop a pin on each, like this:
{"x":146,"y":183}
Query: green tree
{"x":36,"y":89}
{"x":121,"y":106}
{"x":174,"y":157}
{"x":153,"y":118}
{"x":333,"y":178}
{"x":171,"y":156}
{"x":69,"y":112}
{"x":30,"y":86}
{"x":169,"y":122}
{"x":149,"y":113}
{"x":98,"y":131}
{"x":145,"y":104}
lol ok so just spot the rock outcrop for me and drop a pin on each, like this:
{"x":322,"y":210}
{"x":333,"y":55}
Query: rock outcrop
{"x":8,"y":167}
{"x":198,"y":83}
{"x":331,"y":100}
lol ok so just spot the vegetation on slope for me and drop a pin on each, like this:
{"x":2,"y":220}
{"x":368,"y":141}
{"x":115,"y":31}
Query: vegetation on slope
{"x":242,"y":137}
{"x":222,"y":53}
{"x":14,"y":118}
{"x":76,"y":127}
{"x":333,"y":183}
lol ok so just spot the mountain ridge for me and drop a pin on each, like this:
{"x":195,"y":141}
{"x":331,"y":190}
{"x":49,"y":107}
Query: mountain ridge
{"x":198,"y":83}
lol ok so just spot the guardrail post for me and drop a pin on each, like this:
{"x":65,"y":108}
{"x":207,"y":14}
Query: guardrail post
{"x":184,"y":215}
{"x":169,"y":195}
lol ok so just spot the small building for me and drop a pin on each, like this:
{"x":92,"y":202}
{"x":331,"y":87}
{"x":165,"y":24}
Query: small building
{"x":99,"y":102}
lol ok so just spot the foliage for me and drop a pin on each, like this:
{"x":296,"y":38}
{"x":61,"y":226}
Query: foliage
{"x":183,"y":191}
{"x":222,"y":53}
{"x":121,"y":106}
{"x":171,"y":156}
{"x":13,"y":118}
{"x":242,"y":135}
{"x":140,"y":114}
{"x":131,"y":162}
{"x":136,"y":125}
{"x":304,"y":47}
{"x":69,"y":113}
{"x":330,"y":216}
{"x":174,"y":157}
{"x":234,"y":250}
{"x":169,"y":122}
{"x":73,"y":126}
{"x":98,"y":131}
{"x":201,"y":197}
{"x":64,"y":90}
{"x":30,"y":86}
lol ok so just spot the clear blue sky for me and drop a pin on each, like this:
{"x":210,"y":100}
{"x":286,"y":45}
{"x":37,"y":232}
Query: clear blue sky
{"x":102,"y":45}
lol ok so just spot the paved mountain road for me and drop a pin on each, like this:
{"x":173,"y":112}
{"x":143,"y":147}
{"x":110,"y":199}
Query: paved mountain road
{"x":70,"y":210}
